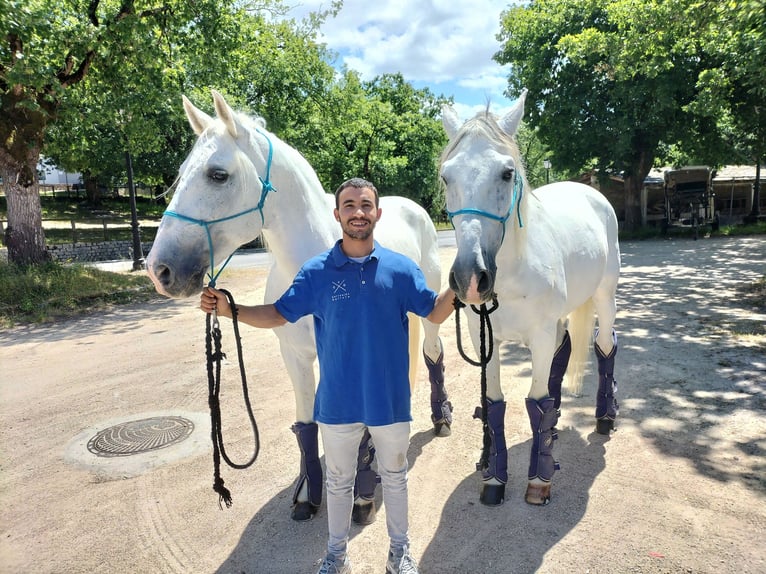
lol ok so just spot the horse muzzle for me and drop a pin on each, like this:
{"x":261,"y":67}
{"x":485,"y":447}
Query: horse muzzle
{"x":472,"y":286}
{"x":175,"y":281}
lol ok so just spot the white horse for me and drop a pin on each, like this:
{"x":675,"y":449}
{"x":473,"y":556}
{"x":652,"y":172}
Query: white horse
{"x":548,"y":258}
{"x":240,"y":180}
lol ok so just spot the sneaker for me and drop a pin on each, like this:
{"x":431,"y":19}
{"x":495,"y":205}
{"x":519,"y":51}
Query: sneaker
{"x":333,"y":565}
{"x":400,"y":562}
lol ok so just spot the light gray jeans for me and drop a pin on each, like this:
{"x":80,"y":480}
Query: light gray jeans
{"x":341,"y":446}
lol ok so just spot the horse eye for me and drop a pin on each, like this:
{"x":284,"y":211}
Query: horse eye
{"x":218,"y":175}
{"x":507,"y":174}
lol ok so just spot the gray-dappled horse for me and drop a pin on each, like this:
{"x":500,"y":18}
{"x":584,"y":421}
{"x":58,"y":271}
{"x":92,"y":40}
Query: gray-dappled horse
{"x":549,"y":258}
{"x":241,"y":180}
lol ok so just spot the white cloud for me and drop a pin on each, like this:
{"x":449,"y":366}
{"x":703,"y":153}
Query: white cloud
{"x":446,"y":45}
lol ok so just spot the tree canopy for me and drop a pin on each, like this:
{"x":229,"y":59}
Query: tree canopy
{"x":616,"y":84}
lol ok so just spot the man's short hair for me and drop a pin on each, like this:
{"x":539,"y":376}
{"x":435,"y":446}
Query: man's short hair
{"x":358,"y":183}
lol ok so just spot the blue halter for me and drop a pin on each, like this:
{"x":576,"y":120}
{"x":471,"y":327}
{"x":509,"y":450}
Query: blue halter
{"x":266,"y":187}
{"x":518,"y":193}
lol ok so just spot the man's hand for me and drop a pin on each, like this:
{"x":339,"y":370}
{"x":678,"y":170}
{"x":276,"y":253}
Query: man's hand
{"x":213,"y":300}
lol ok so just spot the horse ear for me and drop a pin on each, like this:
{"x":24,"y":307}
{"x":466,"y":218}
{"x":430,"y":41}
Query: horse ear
{"x":225,"y":113}
{"x":450,"y":121}
{"x":198,"y":119}
{"x":510,"y":122}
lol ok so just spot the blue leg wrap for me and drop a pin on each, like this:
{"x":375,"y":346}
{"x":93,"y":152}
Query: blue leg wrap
{"x":558,"y":369}
{"x":441,"y":408}
{"x":366,"y":478}
{"x":311,"y":468}
{"x":498,"y":453}
{"x":542,"y":418}
{"x":606,"y":405}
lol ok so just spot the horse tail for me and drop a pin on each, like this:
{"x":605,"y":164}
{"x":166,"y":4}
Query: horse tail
{"x":581,"y":323}
{"x":414,"y":349}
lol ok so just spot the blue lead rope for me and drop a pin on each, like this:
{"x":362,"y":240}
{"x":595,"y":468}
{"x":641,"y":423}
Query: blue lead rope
{"x":266,"y":187}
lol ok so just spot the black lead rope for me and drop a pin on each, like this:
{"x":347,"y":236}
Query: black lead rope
{"x":484,"y":357}
{"x":214,"y":359}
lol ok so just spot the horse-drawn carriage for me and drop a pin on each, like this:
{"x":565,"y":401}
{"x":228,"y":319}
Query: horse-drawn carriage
{"x":689,"y":198}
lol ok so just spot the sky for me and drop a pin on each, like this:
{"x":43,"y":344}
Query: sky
{"x":444,"y":45}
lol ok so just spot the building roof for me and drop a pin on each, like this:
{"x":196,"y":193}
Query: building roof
{"x":728,"y":173}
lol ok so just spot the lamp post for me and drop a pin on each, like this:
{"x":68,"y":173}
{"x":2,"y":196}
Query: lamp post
{"x":547,"y":166}
{"x":138,"y":253}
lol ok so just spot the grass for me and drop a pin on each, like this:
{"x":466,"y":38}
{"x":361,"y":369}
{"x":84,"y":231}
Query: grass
{"x":52,"y":291}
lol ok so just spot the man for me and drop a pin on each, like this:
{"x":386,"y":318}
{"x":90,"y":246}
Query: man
{"x":359,"y":294}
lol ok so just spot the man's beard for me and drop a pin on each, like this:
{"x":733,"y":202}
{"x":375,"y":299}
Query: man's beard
{"x":355,"y":233}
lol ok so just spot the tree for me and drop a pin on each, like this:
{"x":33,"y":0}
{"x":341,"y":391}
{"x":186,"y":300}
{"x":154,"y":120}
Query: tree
{"x":129,"y":65}
{"x":732,"y":90}
{"x":383,"y":130}
{"x":610,"y":81}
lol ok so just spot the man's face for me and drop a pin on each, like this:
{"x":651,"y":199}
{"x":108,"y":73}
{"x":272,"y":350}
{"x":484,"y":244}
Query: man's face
{"x":356,"y":212}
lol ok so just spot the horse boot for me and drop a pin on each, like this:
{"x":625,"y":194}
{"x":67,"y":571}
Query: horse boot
{"x":441,"y":408}
{"x":542,"y":418}
{"x":558,"y":368}
{"x":496,"y":471}
{"x":310,"y":474}
{"x":607,"y":408}
{"x":364,"y":487}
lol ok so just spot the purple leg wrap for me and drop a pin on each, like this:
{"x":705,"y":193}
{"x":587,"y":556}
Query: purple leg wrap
{"x":498,"y":453}
{"x":311,"y":469}
{"x":606,"y":405}
{"x":558,"y":368}
{"x":441,"y":408}
{"x":366,"y":478}
{"x":542,"y":418}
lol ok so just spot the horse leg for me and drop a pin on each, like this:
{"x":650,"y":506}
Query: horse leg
{"x":495,"y":471}
{"x":542,"y":418}
{"x":433,"y":353}
{"x":308,"y":491}
{"x":542,"y":406}
{"x":366,"y":480}
{"x":559,"y":367}
{"x":494,"y":461}
{"x":607,"y":408}
{"x":299,"y":353}
{"x":605,"y":346}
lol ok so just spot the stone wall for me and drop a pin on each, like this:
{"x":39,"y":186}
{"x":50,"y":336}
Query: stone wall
{"x":90,"y":252}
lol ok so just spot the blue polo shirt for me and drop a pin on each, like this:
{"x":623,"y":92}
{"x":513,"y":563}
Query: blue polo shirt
{"x":360,"y":320}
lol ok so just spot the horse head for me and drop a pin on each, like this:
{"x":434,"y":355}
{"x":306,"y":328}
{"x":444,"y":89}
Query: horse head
{"x":483,"y":176}
{"x":215,"y":206}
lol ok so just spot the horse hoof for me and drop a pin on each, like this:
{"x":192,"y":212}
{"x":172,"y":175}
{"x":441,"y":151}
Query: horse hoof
{"x":303,"y":511}
{"x":492,"y":494}
{"x":442,"y":428}
{"x":604,"y":426}
{"x":538,"y":494}
{"x":363,"y":514}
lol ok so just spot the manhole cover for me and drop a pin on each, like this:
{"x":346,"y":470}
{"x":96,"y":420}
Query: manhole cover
{"x":145,"y":435}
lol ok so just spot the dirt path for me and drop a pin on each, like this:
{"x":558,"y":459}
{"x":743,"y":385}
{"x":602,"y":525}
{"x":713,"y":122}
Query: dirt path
{"x":680,"y":487}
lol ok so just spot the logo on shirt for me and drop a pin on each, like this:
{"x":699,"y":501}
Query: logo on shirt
{"x":339,"y":291}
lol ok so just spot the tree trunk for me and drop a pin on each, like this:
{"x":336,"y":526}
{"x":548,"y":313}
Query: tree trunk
{"x":633,"y":184}
{"x":92,"y":190}
{"x":22,"y":129}
{"x":24,"y":234}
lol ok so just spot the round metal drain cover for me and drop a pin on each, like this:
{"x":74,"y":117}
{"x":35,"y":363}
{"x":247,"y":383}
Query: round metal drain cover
{"x":145,"y":435}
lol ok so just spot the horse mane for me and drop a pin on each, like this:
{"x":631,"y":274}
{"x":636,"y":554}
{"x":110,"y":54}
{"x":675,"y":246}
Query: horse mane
{"x":484,"y":125}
